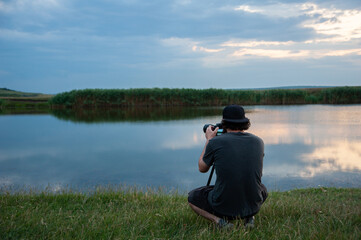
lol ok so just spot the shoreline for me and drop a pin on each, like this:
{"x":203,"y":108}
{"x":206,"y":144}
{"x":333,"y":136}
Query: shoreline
{"x":155,"y":97}
{"x":117,"y":98}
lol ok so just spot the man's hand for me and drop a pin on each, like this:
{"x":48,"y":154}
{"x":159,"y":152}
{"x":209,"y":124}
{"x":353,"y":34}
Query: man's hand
{"x":203,"y":167}
{"x":211,"y":133}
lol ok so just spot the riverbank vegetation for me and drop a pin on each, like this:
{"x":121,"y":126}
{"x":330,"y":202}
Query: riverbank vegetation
{"x":20,"y":102}
{"x":23,"y":102}
{"x":8,"y":93}
{"x":24,"y":105}
{"x":203,"y":97}
{"x":322,"y":213}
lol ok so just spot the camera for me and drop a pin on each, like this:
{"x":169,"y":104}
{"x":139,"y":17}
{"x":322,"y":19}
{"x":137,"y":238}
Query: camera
{"x":219,"y":125}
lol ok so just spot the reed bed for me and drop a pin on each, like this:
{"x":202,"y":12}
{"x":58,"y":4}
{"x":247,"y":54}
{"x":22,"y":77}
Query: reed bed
{"x":94,"y":98}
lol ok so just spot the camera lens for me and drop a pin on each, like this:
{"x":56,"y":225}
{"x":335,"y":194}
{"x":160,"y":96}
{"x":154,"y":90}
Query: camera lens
{"x":205,"y":127}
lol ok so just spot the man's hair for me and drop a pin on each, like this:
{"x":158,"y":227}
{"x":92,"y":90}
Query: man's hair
{"x":235,"y":126}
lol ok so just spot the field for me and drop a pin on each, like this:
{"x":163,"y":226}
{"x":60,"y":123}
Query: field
{"x":321,"y":213}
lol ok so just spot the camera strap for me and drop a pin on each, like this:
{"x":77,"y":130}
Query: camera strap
{"x":210,"y":176}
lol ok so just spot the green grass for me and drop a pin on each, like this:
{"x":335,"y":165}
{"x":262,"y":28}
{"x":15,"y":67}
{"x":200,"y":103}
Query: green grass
{"x":5,"y":92}
{"x":322,"y":213}
{"x":107,"y":98}
{"x":12,"y":102}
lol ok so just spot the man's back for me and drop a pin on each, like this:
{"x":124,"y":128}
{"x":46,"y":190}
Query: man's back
{"x":238,"y":159}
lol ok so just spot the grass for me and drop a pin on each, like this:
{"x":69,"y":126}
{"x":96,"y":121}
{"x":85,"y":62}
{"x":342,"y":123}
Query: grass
{"x":100,"y":98}
{"x":322,"y":213}
{"x":12,"y":102}
{"x":8,"y":93}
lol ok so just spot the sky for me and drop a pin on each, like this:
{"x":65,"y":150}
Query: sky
{"x":51,"y":46}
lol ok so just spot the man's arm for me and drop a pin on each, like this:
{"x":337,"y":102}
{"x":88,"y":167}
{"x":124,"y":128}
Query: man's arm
{"x":202,"y":166}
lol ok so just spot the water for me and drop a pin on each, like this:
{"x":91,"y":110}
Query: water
{"x":305,"y":146}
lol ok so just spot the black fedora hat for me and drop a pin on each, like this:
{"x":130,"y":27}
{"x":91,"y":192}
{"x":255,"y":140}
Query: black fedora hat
{"x":234,"y":114}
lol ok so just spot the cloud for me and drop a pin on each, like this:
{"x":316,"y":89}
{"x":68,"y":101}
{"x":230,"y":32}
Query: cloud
{"x":182,"y":45}
{"x":296,"y":51}
{"x":164,"y":37}
{"x":29,"y":5}
{"x":234,"y":43}
{"x":249,"y":9}
{"x":185,"y":141}
{"x":339,"y":24}
{"x":279,"y":10}
{"x":176,"y":41}
{"x":343,"y":52}
{"x":11,"y":34}
{"x":207,"y":50}
{"x":337,"y":34}
{"x":270,"y":53}
{"x":182,"y":2}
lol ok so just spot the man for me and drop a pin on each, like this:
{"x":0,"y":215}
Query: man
{"x":238,"y":159}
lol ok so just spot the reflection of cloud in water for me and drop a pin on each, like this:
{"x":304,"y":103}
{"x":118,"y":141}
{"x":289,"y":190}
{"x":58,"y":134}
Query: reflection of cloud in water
{"x":184,"y":141}
{"x":312,"y":139}
{"x":280,"y":133}
{"x":338,"y":156}
{"x":305,"y":124}
{"x":312,"y":133}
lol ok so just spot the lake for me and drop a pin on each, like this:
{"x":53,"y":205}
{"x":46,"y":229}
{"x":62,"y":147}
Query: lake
{"x":305,"y":146}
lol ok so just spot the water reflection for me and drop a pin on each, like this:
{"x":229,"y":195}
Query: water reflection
{"x":305,"y":146}
{"x":135,"y":114}
{"x":329,"y":136}
{"x":337,"y":156}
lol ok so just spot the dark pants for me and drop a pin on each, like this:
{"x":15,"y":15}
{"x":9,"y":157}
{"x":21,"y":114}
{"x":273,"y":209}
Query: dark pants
{"x":199,"y":198}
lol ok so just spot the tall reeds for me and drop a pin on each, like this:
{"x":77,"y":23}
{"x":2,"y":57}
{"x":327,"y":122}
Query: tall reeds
{"x":203,"y":97}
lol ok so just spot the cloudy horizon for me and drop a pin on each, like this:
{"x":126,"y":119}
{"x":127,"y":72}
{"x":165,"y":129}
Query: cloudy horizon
{"x":52,"y":46}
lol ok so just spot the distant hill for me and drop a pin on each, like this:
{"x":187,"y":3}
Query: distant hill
{"x":284,"y":87}
{"x":9,"y":93}
{"x":6,"y":89}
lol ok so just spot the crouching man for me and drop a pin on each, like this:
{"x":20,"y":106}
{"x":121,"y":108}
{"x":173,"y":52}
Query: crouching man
{"x":238,"y":159}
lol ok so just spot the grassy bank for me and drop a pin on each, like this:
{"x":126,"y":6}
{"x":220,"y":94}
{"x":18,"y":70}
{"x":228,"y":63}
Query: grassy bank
{"x":23,"y":105}
{"x":300,"y":214}
{"x":206,"y":97}
{"x":8,"y":93}
{"x":22,"y":102}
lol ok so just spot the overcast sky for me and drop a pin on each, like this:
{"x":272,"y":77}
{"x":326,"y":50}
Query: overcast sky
{"x":52,"y":46}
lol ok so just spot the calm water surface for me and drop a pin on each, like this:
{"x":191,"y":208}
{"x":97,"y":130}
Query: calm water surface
{"x":305,"y":146}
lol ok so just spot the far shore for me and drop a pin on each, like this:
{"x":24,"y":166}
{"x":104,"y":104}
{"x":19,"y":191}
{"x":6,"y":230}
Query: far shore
{"x":156,"y":97}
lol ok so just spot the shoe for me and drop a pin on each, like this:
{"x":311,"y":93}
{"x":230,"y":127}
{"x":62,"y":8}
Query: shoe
{"x":223,"y":224}
{"x":249,"y":222}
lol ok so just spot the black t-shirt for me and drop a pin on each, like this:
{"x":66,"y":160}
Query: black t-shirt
{"x":238,"y":159}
